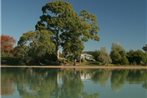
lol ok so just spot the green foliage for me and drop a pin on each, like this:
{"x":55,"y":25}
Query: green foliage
{"x":145,"y":48}
{"x":145,"y":59}
{"x":95,"y":54}
{"x":118,"y":55}
{"x":90,"y":25}
{"x":69,"y":30}
{"x":10,"y":60}
{"x":59,"y":26}
{"x":103,"y":56}
{"x":34,"y":46}
{"x":137,"y":57}
{"x":72,"y":46}
{"x":5,"y":54}
{"x":21,"y":53}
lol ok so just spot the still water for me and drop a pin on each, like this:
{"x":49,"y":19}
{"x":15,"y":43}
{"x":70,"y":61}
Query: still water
{"x":73,"y":83}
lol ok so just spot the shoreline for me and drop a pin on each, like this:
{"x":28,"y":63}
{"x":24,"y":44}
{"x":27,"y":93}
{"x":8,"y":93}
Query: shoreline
{"x":80,"y":67}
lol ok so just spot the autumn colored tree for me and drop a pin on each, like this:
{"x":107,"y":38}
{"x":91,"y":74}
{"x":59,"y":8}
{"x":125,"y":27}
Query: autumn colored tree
{"x":7,"y":44}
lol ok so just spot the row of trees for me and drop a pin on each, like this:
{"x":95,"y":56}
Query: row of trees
{"x":37,"y":52}
{"x":119,"y":56}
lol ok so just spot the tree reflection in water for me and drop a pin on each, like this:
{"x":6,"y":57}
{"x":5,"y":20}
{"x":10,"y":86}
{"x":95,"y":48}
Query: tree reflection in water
{"x":72,"y":86}
{"x":100,"y":76}
{"x":38,"y":83}
{"x":7,"y":80}
{"x":118,"y":78}
{"x":51,"y":83}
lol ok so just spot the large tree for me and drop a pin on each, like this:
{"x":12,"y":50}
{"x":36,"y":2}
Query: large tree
{"x":69,"y":29}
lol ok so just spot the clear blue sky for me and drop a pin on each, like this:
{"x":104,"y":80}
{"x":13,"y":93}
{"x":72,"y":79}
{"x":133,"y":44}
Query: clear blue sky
{"x":121,"y":21}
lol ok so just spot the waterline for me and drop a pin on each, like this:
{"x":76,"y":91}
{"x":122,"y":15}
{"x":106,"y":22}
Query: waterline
{"x":80,"y":67}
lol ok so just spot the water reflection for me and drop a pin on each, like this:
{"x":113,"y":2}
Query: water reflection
{"x":100,"y":76}
{"x":36,"y":84}
{"x":7,"y":87}
{"x":49,"y":83}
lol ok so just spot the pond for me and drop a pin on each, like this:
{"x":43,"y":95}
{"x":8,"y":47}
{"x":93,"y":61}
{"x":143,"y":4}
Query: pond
{"x":73,"y":83}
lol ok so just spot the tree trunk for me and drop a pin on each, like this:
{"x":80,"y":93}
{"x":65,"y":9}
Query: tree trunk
{"x":57,"y":53}
{"x":74,"y":62}
{"x":57,"y":45}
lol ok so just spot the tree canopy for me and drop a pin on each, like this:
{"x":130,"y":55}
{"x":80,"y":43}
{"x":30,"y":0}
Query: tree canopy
{"x":34,"y":45}
{"x":118,"y":54}
{"x":60,"y":26}
{"x":69,"y":30}
{"x":137,"y":57}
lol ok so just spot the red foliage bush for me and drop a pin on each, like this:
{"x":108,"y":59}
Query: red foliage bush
{"x":7,"y":43}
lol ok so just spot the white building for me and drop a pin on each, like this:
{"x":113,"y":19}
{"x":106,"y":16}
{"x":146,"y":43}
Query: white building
{"x":85,"y":56}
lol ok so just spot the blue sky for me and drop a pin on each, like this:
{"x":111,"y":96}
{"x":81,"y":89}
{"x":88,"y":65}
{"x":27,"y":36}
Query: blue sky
{"x":120,"y":21}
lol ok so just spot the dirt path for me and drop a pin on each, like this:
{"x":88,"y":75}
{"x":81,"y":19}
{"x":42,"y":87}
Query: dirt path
{"x":80,"y":67}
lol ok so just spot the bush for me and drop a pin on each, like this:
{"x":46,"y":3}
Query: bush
{"x":10,"y":61}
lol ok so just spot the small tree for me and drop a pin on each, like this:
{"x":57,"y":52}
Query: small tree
{"x":137,"y":57}
{"x":103,"y":56}
{"x":118,"y":54}
{"x":6,"y":44}
{"x":7,"y":47}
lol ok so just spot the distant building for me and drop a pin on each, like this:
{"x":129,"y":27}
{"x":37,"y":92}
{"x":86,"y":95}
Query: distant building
{"x":86,"y":56}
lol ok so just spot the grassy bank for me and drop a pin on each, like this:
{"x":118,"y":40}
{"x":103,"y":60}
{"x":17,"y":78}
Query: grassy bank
{"x":80,"y":67}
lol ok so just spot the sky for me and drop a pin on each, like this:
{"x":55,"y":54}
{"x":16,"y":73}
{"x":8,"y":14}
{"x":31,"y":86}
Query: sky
{"x":120,"y":21}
